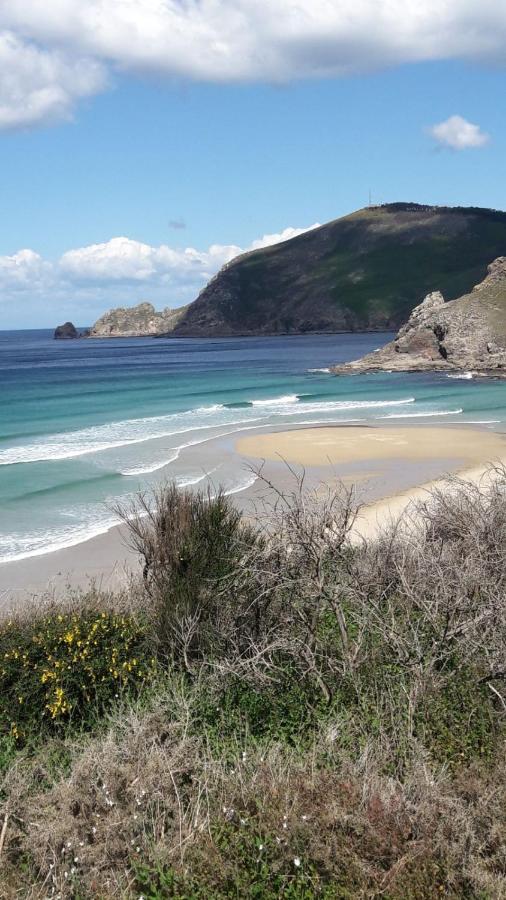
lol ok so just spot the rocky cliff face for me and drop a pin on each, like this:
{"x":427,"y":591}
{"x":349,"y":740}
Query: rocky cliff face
{"x":138,"y":321}
{"x":467,"y":333}
{"x":364,"y":272}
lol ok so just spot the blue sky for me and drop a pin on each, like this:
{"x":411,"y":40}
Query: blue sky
{"x":169,"y":161}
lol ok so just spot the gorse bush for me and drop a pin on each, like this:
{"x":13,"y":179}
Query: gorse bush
{"x":67,"y":667}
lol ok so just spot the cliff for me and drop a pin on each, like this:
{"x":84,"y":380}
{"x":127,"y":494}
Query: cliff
{"x":467,"y":333}
{"x":363,"y":272}
{"x":137,"y":321}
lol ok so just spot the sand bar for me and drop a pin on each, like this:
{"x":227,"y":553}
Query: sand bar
{"x":338,"y":445}
{"x":467,"y":451}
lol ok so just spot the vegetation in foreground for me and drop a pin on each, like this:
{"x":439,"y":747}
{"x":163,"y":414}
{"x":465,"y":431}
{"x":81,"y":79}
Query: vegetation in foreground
{"x":275,"y":712}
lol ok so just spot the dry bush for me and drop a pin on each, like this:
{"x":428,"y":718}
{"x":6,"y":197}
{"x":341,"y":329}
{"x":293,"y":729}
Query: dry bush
{"x":380,"y":630}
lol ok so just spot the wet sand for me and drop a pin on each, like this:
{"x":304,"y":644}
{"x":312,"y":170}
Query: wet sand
{"x":390,"y":466}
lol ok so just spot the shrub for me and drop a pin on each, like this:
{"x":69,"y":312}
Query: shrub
{"x":191,"y":544}
{"x":67,"y":667}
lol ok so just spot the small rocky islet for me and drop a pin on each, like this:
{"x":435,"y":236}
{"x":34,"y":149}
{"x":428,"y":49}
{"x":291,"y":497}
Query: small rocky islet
{"x":69,"y":332}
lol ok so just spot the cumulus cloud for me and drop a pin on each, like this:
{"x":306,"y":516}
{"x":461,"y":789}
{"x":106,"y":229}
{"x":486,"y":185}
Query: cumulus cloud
{"x":41,"y":85}
{"x":459,"y":134}
{"x":121,"y":271}
{"x":122,"y":259}
{"x":285,"y":235}
{"x":24,"y":270}
{"x":253,"y":40}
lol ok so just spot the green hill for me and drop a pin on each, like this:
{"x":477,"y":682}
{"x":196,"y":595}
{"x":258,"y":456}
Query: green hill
{"x":363,"y":272}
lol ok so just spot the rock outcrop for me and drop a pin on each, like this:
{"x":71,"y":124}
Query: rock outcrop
{"x":66,"y":332}
{"x":468,"y":333}
{"x":137,"y":321}
{"x":363,"y":272}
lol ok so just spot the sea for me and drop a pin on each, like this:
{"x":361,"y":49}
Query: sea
{"x":88,"y":424}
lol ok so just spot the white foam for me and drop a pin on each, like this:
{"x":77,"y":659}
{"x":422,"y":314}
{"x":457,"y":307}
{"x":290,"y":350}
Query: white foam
{"x":100,"y":438}
{"x":420,"y":415}
{"x":249,"y":482}
{"x":320,"y":371}
{"x":148,"y":469}
{"x":463,"y":376}
{"x":276,"y":401}
{"x":52,"y":540}
{"x":331,"y":406}
{"x":183,"y":482}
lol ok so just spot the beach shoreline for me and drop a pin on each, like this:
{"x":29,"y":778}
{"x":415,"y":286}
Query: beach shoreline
{"x":390,"y":465}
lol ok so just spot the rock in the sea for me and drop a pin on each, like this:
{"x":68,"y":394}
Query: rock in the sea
{"x":66,"y":332}
{"x":137,"y":321}
{"x":466,"y":333}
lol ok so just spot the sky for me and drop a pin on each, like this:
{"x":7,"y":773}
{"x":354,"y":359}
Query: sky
{"x":146,"y":143}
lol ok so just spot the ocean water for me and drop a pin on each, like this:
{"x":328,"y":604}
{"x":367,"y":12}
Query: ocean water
{"x":85,"y":424}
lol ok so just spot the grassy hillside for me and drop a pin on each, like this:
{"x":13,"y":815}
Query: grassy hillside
{"x":365,"y":271}
{"x":271,"y":715}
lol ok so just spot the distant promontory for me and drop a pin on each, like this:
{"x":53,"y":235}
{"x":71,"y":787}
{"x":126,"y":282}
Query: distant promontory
{"x":363,"y":272}
{"x":138,"y":321}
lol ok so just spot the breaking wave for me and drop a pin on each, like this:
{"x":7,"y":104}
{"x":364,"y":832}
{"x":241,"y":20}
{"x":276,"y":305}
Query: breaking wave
{"x":99,"y":438}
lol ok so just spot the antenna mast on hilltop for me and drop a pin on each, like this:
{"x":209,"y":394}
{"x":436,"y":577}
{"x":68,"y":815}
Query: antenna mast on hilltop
{"x":370,"y":199}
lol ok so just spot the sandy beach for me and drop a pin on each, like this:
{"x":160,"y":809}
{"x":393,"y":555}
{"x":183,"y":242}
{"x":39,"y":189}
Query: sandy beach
{"x":397,"y":454}
{"x":391,"y":466}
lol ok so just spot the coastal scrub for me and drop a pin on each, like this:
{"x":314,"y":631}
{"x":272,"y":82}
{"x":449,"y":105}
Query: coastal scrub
{"x":64,"y":667}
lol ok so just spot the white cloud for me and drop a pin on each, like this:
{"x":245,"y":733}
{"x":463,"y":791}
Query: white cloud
{"x":24,"y":270}
{"x":253,"y":40}
{"x":122,"y":259}
{"x":87,"y":280}
{"x":459,"y":134}
{"x":42,"y":85}
{"x":285,"y":235}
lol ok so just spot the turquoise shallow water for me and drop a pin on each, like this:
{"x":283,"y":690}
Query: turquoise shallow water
{"x":84,"y":424}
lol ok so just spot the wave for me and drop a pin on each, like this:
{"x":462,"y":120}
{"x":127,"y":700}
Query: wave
{"x":98,"y":438}
{"x":148,"y":469}
{"x":93,"y":523}
{"x":420,"y":415}
{"x":249,"y":482}
{"x":276,"y":401}
{"x":190,"y":481}
{"x":339,"y":405}
{"x":320,"y":371}
{"x":13,"y":547}
{"x":238,"y":488}
{"x":463,"y":376}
